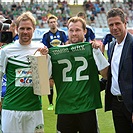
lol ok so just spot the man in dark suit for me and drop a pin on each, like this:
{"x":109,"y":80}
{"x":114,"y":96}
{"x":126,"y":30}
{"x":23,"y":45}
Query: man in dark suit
{"x":118,"y":97}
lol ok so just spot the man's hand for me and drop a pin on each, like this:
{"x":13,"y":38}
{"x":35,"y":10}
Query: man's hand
{"x":95,"y":44}
{"x":43,"y":51}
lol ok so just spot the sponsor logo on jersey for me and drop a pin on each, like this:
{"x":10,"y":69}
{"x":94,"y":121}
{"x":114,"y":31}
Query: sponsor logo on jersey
{"x":23,"y":72}
{"x":15,"y":56}
{"x":55,"y":42}
{"x":23,"y":77}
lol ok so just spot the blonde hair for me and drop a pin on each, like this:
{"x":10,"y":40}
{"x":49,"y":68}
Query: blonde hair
{"x":77,"y":19}
{"x":52,"y":17}
{"x":26,"y":16}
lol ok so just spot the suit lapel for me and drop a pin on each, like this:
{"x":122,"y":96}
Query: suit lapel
{"x":112,"y":49}
{"x":124,"y":50}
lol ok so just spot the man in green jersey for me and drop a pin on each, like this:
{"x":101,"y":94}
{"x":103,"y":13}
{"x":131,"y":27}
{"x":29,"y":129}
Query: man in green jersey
{"x":21,"y":109}
{"x":75,"y":71}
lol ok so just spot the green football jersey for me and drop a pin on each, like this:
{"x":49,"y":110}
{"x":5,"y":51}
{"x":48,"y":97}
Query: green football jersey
{"x":19,"y":92}
{"x":76,"y":78}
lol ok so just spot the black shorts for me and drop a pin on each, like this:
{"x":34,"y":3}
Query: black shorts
{"x":72,"y":123}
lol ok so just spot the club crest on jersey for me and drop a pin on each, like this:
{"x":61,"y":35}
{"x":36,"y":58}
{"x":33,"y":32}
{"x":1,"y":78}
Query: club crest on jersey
{"x":55,"y":42}
{"x":23,"y":77}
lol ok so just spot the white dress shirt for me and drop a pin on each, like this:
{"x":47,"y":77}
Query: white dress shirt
{"x":115,"y":90}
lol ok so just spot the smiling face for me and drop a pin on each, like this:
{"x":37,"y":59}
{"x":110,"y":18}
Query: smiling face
{"x":76,"y":32}
{"x":117,"y":23}
{"x":25,"y":31}
{"x":117,"y":27}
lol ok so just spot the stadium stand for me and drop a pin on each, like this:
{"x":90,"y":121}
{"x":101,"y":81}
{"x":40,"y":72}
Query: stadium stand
{"x":95,"y":11}
{"x":100,"y":9}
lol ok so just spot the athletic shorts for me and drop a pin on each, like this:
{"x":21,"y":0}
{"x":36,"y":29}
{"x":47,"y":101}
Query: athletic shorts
{"x":22,"y":121}
{"x":72,"y":123}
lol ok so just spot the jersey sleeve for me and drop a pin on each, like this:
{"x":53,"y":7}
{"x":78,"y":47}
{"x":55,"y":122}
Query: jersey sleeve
{"x":92,"y":34}
{"x":3,"y":61}
{"x":105,"y":40}
{"x":44,"y":40}
{"x":100,"y":60}
{"x":65,"y":39}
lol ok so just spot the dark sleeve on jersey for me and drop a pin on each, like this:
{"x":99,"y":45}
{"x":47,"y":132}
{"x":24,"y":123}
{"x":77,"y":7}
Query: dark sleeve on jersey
{"x":16,"y":37}
{"x":105,"y":40}
{"x":44,"y":39}
{"x":92,"y":35}
{"x":65,"y":39}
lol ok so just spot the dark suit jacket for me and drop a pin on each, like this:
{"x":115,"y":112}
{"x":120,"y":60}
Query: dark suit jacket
{"x":124,"y":75}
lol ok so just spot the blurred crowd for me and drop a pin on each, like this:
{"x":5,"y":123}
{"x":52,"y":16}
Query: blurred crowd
{"x":41,"y":11}
{"x":95,"y":11}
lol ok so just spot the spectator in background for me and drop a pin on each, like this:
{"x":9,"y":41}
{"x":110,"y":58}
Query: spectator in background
{"x":102,"y":10}
{"x":90,"y":35}
{"x":52,"y":38}
{"x":4,"y":20}
{"x":75,"y":2}
{"x":39,"y":15}
{"x":88,"y":5}
{"x":14,"y":31}
{"x":92,"y":20}
{"x":13,"y":7}
{"x":88,"y":13}
{"x":1,"y":7}
{"x":97,"y":7}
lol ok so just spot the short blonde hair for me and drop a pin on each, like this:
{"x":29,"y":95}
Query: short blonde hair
{"x":52,"y":17}
{"x":26,"y":16}
{"x":77,"y":19}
